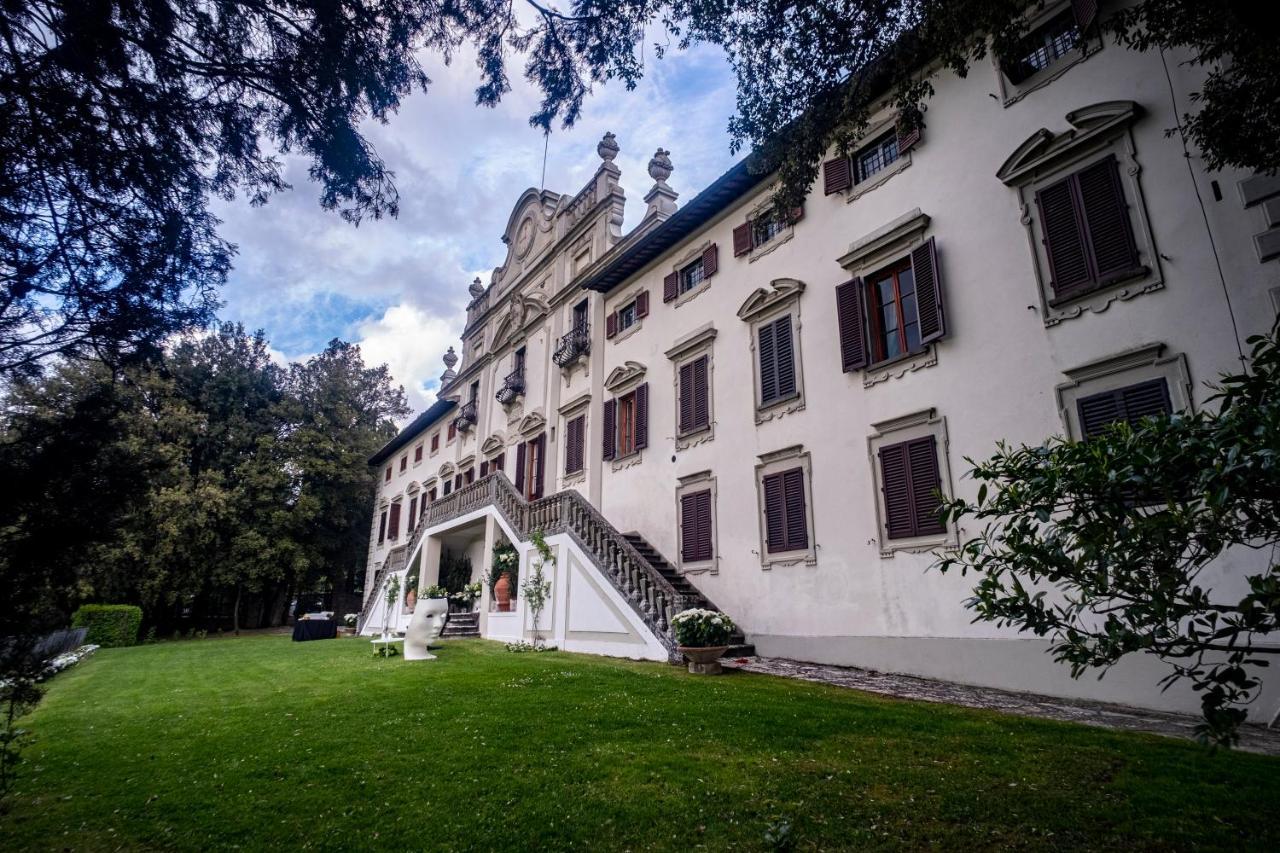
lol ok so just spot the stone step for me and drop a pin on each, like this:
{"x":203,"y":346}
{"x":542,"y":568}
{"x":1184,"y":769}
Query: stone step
{"x":451,"y":631}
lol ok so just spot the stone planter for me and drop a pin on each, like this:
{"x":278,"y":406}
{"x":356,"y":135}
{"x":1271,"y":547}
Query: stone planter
{"x":703,"y":660}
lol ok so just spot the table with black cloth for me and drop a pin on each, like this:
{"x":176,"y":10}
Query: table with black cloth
{"x":314,"y":629}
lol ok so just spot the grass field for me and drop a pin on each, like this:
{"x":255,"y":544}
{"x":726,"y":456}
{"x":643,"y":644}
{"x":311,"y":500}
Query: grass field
{"x":260,"y":743}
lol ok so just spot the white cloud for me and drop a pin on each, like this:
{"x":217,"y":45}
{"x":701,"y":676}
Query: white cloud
{"x":410,"y":342}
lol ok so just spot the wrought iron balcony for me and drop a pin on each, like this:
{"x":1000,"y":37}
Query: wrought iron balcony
{"x":512,"y":387}
{"x":466,"y":417}
{"x":573,"y":345}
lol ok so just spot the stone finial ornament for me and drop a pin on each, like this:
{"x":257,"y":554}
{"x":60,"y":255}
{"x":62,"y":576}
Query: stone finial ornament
{"x":476,"y":288}
{"x":450,"y":361}
{"x":607,"y":148}
{"x":660,"y":167}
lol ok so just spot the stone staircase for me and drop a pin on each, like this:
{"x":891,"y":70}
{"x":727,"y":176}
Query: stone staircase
{"x":462,"y":625}
{"x":739,"y":647}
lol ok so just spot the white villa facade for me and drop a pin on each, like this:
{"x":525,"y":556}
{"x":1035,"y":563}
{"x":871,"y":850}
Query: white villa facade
{"x":723,"y":407}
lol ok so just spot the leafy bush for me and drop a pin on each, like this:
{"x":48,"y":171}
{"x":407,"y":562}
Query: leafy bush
{"x":701,"y":628}
{"x":435,"y":591}
{"x":109,"y":624}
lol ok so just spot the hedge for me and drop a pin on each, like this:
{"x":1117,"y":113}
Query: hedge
{"x":109,"y":624}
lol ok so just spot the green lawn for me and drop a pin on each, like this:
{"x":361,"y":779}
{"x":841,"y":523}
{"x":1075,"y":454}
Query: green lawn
{"x":263,"y":743}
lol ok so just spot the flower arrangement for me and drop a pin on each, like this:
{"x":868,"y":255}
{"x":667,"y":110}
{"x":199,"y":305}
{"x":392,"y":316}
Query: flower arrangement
{"x":698,"y":628}
{"x":435,"y":591}
{"x":467,"y":596}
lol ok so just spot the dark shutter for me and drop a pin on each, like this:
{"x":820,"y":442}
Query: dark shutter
{"x":895,"y":486}
{"x":575,"y":436}
{"x":670,"y":287}
{"x":500,"y":460}
{"x":1063,"y":237}
{"x":471,"y":474}
{"x":540,"y":469}
{"x":1106,"y":218}
{"x":742,"y":239}
{"x":609,"y":429}
{"x":907,"y":139}
{"x":1085,"y":13}
{"x":924,"y":266}
{"x":922,"y":458}
{"x":703,"y":542}
{"x":710,"y":260}
{"x":688,"y":527}
{"x":836,"y":175}
{"x":686,"y":397}
{"x":413,"y":512}
{"x":642,"y":416}
{"x":457,"y":482}
{"x":395,"y":522}
{"x":768,"y":360}
{"x":786,"y":357}
{"x":432,"y":494}
{"x":382,"y":528}
{"x":642,"y":304}
{"x":519,"y":484}
{"x":484,"y":468}
{"x":794,"y":501}
{"x":1132,"y":404}
{"x":701,"y":393}
{"x":774,"y":514}
{"x":851,"y":316}
{"x":695,"y":526}
{"x":611,"y":325}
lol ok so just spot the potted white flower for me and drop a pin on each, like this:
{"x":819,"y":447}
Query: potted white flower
{"x":702,"y":636}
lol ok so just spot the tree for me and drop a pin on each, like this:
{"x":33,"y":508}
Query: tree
{"x":1112,"y":546}
{"x":120,"y":119}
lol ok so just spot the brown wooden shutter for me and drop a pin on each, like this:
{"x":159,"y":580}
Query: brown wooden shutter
{"x":710,"y":260}
{"x":703,"y":543}
{"x":797,"y":527}
{"x":1085,"y":13}
{"x":642,"y":304}
{"x":413,"y":512}
{"x":417,"y":453}
{"x":686,"y":397}
{"x":580,"y":444}
{"x":786,"y":357}
{"x":768,"y":363}
{"x":499,"y":461}
{"x":609,"y":431}
{"x":519,"y":484}
{"x":774,"y":514}
{"x":1132,"y":404}
{"x":742,"y":239}
{"x":907,"y":139}
{"x":670,"y":287}
{"x":471,"y":475}
{"x":701,"y":392}
{"x":922,"y":460}
{"x":688,"y":527}
{"x":1106,"y":219}
{"x":837,"y":175}
{"x":382,"y":528}
{"x":1063,"y":237}
{"x":484,"y":468}
{"x":642,"y":416}
{"x":611,"y":325}
{"x":924,"y":266}
{"x":574,"y":439}
{"x":539,"y":470}
{"x":895,"y":486}
{"x":695,"y":527}
{"x":457,"y":482}
{"x":394,"y":533}
{"x":851,"y":317}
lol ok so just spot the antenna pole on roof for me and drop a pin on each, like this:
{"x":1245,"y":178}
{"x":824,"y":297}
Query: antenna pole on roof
{"x":546,"y":141}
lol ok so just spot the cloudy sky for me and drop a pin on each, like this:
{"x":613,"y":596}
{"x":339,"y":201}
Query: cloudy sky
{"x":398,"y":287}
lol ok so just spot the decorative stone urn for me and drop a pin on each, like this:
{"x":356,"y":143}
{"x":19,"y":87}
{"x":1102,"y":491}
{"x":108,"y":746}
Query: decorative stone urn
{"x":703,"y":660}
{"x":424,"y":628}
{"x":502,"y":592}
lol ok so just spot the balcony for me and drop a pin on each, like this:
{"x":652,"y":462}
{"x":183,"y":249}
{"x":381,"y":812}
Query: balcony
{"x":512,"y":387}
{"x":466,"y":417}
{"x":573,"y":345}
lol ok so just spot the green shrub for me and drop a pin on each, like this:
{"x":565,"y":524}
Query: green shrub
{"x":109,"y":624}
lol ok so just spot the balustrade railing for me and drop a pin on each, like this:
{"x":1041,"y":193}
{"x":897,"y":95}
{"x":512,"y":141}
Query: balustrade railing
{"x":573,"y":345}
{"x":467,"y":415}
{"x":512,"y":386}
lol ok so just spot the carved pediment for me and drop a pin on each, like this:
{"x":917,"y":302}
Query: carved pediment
{"x":529,"y":230}
{"x":521,"y":310}
{"x":532,"y":423}
{"x":412,"y":488}
{"x":779,"y":292}
{"x":446,"y":471}
{"x":466,"y":462}
{"x":492,"y":444}
{"x":624,"y":374}
{"x":1043,"y":148}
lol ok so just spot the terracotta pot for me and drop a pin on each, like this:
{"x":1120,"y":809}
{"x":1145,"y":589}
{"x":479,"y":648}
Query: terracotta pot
{"x":502,"y":592}
{"x":703,"y":660}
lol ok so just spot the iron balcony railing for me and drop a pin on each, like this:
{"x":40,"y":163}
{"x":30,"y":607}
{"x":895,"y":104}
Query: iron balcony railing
{"x":573,"y":345}
{"x":467,"y":416}
{"x":512,"y":386}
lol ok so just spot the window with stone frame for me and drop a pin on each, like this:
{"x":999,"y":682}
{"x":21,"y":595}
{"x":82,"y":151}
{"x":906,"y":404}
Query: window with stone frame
{"x":1060,"y":34}
{"x":1143,"y":381}
{"x":877,"y":155}
{"x":696,"y":522}
{"x":764,"y":227}
{"x":435,"y":442}
{"x":1042,"y":47}
{"x":892,"y":312}
{"x":774,"y":316}
{"x":785,"y":494}
{"x":626,"y":423}
{"x":629,"y":314}
{"x":908,"y":457}
{"x":689,"y":276}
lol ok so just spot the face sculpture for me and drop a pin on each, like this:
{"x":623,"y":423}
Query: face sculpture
{"x":424,"y":628}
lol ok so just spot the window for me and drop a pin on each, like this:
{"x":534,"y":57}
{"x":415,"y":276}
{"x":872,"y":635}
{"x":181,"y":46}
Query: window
{"x":393,"y":525}
{"x":453,"y":430}
{"x":762,"y":229}
{"x":404,"y":462}
{"x":475,"y":390}
{"x":518,"y":366}
{"x":1088,"y":238}
{"x":435,"y":442}
{"x":626,"y":423}
{"x":1043,"y":46}
{"x":691,"y":274}
{"x":875,"y":157}
{"x":695,"y":395}
{"x":413,"y":513}
{"x":628,"y":315}
{"x":417,"y":454}
{"x":777,"y":362}
{"x":1131,"y":403}
{"x":575,"y":444}
{"x":431,"y":496}
{"x":382,"y":528}
{"x":695,"y":526}
{"x":448,"y":486}
{"x":785,"y":511}
{"x":910,"y":485}
{"x":580,"y":315}
{"x":531,"y":467}
{"x":894,"y":312}
{"x":387,"y":476}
